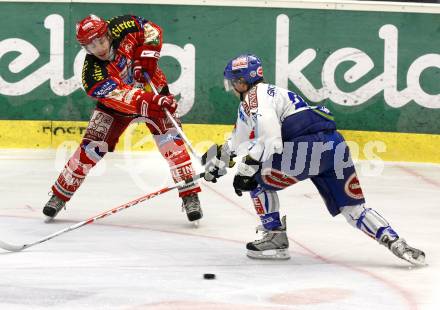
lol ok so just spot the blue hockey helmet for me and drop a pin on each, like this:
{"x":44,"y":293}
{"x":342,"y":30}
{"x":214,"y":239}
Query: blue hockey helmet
{"x":247,"y":68}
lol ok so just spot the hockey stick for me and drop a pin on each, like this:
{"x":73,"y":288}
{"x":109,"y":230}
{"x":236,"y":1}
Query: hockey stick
{"x":171,"y":118}
{"x":17,"y":248}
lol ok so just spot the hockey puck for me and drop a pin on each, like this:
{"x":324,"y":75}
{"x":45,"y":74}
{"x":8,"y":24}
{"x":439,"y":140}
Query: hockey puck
{"x":208,"y":276}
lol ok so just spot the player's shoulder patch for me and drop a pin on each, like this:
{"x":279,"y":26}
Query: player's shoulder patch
{"x":93,"y":71}
{"x":151,"y":34}
{"x":271,"y":90}
{"x":105,"y":88}
{"x":119,"y":26}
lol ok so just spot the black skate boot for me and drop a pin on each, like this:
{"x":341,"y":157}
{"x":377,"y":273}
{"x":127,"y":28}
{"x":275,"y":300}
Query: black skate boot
{"x":401,"y":249}
{"x":191,"y":205}
{"x":53,"y":206}
{"x":273,"y":245}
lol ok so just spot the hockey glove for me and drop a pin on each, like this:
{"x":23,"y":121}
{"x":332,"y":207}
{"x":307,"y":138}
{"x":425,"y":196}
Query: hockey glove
{"x":216,"y":160}
{"x":145,"y":60}
{"x":152,"y":106}
{"x":244,"y":180}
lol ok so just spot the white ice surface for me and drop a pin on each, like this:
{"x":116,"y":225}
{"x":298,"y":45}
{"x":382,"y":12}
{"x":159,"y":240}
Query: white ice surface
{"x":150,"y":257}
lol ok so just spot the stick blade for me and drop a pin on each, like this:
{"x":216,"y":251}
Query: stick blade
{"x":11,"y":247}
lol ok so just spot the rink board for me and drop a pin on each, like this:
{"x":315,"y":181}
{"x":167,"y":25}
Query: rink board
{"x":376,"y":71}
{"x":387,"y":146}
{"x":376,"y":66}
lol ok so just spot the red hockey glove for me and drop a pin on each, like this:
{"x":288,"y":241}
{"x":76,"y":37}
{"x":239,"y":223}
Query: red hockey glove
{"x":138,"y":73}
{"x":152,"y":106}
{"x":166,"y":102}
{"x":145,"y":59}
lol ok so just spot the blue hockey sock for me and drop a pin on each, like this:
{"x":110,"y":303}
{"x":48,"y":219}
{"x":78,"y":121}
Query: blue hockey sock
{"x":271,"y":221}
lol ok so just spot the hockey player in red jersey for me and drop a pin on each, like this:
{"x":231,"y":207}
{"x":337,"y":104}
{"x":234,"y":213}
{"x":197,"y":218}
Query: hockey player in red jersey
{"x":119,"y":52}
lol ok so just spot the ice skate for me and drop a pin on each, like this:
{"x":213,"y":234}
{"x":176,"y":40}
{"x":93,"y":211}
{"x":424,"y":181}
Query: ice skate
{"x":52,"y":207}
{"x":273,"y":245}
{"x":191,"y":205}
{"x":402,"y":250}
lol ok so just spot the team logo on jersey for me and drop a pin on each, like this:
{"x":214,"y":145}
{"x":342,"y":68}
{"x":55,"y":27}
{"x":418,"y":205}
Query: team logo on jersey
{"x":239,"y":63}
{"x":104,"y":89}
{"x":271,"y":90}
{"x":122,"y":62}
{"x":277,"y":178}
{"x":127,"y":47}
{"x":353,"y":187}
{"x":151,"y":34}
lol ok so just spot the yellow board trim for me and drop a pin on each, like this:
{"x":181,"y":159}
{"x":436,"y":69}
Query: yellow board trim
{"x":389,"y":146}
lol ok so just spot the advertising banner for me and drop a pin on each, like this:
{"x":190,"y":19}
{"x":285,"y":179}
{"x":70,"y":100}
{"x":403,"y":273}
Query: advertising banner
{"x":376,"y":71}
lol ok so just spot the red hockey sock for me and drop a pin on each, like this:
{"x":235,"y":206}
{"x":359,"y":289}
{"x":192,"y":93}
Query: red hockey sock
{"x":76,"y":170}
{"x":173,"y":150}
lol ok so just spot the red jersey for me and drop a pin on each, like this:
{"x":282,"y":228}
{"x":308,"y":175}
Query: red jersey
{"x":111,"y":82}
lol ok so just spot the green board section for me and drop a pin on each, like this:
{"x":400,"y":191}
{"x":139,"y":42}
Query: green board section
{"x":376,"y":71}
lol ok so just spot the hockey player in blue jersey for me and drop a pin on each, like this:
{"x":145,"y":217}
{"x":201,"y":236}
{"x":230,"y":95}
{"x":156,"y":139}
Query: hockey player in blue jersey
{"x":284,"y":141}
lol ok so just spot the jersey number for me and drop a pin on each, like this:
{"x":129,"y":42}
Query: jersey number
{"x":297,"y":101}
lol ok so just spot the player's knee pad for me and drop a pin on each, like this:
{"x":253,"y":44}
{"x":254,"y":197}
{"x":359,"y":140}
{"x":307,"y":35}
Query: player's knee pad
{"x":367,"y":220}
{"x":86,"y":157}
{"x":267,"y":205}
{"x":93,"y":150}
{"x":172,"y":147}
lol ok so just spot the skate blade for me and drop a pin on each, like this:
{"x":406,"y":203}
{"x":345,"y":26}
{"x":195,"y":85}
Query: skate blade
{"x":196,"y":223}
{"x":419,"y":261}
{"x":280,"y":254}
